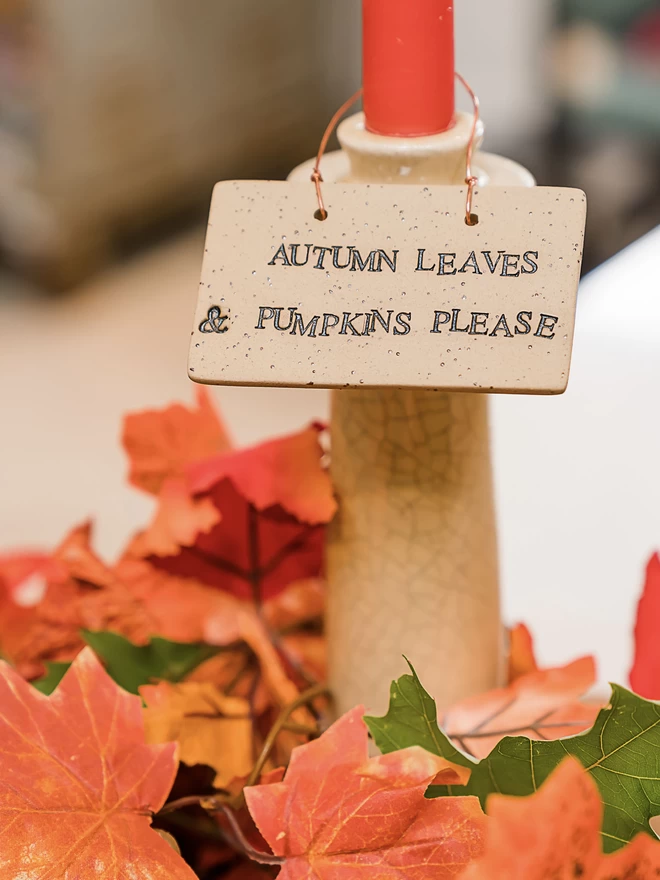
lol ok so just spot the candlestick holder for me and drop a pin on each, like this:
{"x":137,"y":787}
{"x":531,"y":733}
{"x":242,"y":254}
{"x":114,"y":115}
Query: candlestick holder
{"x":412,"y":555}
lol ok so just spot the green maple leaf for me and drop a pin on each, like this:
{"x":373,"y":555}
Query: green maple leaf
{"x":132,"y":666}
{"x":621,"y":752}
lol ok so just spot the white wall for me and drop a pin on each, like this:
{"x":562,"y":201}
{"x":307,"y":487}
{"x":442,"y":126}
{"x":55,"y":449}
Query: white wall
{"x":501,"y":52}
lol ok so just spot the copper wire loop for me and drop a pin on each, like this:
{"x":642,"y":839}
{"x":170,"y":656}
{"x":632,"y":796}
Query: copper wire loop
{"x":317,"y":177}
{"x":471,"y":181}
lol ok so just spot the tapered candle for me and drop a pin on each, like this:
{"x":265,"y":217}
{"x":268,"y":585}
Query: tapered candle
{"x":408,"y":66}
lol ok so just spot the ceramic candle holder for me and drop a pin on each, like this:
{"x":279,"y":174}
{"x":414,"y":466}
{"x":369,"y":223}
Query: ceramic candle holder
{"x":412,"y":557}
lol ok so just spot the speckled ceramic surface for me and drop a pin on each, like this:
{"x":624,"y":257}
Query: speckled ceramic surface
{"x":392,"y":290}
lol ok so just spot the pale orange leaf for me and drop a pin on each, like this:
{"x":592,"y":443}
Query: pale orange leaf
{"x":555,"y":833}
{"x":541,"y":705}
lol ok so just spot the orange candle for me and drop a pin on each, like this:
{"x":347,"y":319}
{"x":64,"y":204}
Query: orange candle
{"x":408,"y":66}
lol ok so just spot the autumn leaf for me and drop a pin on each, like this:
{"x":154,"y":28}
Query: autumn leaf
{"x":79,"y":592}
{"x":619,"y":752}
{"x":210,"y":727}
{"x":522,"y":660}
{"x":249,"y":555}
{"x":162,"y":443}
{"x":178,"y":607}
{"x":645,"y":674}
{"x":556,"y":833}
{"x":540,"y":705}
{"x":178,"y":521}
{"x":24,"y":576}
{"x":273,"y":501}
{"x":16,"y":618}
{"x":339,"y":813}
{"x":286,"y":472}
{"x":78,"y":784}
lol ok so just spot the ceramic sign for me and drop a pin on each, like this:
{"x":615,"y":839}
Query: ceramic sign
{"x":392,"y":289}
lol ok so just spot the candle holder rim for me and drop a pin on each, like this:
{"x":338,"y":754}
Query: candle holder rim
{"x":354,"y":136}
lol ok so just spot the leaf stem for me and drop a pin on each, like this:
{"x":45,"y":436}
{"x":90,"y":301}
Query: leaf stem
{"x":216,"y":804}
{"x":306,"y":697}
{"x":303,"y":729}
{"x":208,"y":801}
{"x":256,"y":855}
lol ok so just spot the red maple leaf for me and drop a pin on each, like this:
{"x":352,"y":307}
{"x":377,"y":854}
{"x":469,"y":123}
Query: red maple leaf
{"x":555,"y":833}
{"x":78,"y":785}
{"x":645,"y":674}
{"x":273,"y":501}
{"x":339,"y":814}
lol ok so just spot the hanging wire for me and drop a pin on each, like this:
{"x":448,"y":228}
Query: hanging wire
{"x":471,"y":181}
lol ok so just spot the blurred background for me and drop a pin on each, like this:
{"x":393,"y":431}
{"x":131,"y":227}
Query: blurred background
{"x":116,"y":118}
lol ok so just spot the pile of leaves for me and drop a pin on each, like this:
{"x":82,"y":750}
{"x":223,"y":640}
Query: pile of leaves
{"x":165,"y":716}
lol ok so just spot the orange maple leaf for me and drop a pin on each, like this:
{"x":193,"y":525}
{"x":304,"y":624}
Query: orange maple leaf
{"x":210,"y":727}
{"x":645,"y":674}
{"x":555,"y":833}
{"x":179,"y":519}
{"x":24,"y":576}
{"x":78,"y":784}
{"x":541,"y":705}
{"x":339,"y":814}
{"x":78,"y":592}
{"x":20,"y":574}
{"x":522,"y":659}
{"x":162,"y":443}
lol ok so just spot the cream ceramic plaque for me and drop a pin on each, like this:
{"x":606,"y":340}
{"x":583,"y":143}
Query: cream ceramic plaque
{"x":392,"y":289}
